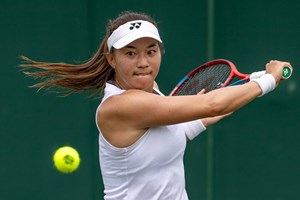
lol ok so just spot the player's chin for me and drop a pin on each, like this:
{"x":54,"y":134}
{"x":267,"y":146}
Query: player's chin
{"x":144,"y":83}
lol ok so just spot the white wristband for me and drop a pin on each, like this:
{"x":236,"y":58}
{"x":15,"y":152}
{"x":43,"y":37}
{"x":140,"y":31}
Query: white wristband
{"x":267,"y":83}
{"x":193,"y":128}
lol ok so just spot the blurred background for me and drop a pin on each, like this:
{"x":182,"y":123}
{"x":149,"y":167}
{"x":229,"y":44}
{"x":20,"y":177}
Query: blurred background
{"x":253,"y":154}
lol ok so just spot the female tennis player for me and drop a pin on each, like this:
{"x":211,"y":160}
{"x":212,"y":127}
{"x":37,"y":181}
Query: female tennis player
{"x":143,"y":134}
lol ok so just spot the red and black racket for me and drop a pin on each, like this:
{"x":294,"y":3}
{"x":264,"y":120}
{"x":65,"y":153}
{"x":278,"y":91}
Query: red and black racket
{"x":216,"y":74}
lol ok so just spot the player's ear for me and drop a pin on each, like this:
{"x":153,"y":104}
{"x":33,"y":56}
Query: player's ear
{"x":110,"y":59}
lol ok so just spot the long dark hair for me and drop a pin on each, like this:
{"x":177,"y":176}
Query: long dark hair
{"x":89,"y":76}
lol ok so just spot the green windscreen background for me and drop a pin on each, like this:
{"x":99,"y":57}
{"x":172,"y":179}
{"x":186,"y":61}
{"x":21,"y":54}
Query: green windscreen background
{"x":253,"y":154}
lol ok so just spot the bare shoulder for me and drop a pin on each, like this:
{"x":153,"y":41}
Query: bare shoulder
{"x":128,"y":106}
{"x":116,"y":119}
{"x":116,"y":104}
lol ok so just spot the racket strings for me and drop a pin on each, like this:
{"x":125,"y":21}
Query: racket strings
{"x":208,"y":78}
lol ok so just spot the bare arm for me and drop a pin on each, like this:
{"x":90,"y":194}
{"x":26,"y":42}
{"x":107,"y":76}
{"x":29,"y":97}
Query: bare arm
{"x":131,"y":113}
{"x":140,"y":109}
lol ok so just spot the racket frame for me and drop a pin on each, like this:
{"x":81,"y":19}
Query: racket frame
{"x":234,"y":73}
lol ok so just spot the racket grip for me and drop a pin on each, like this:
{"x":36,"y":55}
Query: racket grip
{"x":286,"y":73}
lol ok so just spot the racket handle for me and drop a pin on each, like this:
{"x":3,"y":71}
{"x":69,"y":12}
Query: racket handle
{"x":286,"y":73}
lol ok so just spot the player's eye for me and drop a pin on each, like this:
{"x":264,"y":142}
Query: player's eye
{"x":130,"y":53}
{"x":151,"y":52}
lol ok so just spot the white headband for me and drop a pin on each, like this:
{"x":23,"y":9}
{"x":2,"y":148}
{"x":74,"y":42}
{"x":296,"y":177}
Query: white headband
{"x":130,"y":32}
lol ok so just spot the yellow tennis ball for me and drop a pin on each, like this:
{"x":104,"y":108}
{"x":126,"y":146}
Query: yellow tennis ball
{"x":66,"y":159}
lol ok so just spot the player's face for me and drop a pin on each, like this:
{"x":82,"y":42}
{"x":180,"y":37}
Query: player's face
{"x":137,"y":64}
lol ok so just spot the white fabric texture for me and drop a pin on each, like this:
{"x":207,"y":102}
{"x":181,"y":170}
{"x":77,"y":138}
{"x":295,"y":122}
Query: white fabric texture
{"x":267,"y":83}
{"x":151,"y":168}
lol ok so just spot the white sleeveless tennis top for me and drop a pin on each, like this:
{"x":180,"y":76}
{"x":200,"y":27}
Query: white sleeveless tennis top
{"x":150,"y":169}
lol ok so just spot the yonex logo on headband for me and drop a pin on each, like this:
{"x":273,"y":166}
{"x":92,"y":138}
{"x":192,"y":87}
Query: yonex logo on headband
{"x":130,"y":32}
{"x":135,"y":25}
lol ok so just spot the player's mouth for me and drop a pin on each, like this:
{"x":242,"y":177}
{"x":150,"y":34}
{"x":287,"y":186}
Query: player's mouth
{"x":146,"y":73}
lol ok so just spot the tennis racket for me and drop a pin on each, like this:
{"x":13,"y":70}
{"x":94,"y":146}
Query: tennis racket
{"x":216,"y":74}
